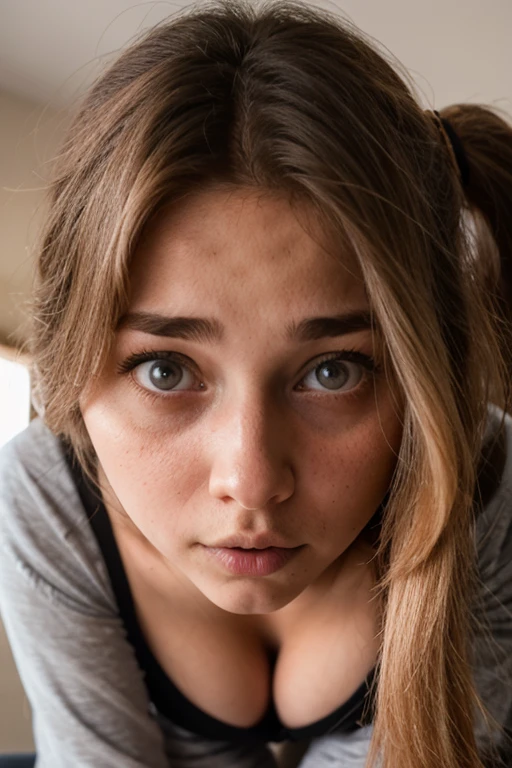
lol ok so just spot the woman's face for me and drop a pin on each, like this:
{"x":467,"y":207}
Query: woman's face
{"x":239,"y":400}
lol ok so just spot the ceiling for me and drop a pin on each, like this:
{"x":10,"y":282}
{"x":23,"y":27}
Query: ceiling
{"x":456,"y":50}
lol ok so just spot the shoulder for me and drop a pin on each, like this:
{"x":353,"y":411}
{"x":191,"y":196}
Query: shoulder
{"x":500,"y":423}
{"x":492,"y":642}
{"x":43,"y":524}
{"x":499,"y":435}
{"x":494,"y":524}
{"x":29,"y":456}
{"x":36,"y":489}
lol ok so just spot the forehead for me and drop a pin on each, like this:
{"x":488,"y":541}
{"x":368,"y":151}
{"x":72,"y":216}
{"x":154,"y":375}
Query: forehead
{"x":241,"y":245}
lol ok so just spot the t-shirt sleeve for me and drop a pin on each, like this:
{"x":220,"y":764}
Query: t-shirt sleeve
{"x":89,"y":703}
{"x":493,"y":630}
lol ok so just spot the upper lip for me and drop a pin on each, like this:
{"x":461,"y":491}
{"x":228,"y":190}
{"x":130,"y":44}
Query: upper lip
{"x":262,"y":541}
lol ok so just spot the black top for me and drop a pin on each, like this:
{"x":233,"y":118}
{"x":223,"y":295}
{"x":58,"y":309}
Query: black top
{"x":164,"y":694}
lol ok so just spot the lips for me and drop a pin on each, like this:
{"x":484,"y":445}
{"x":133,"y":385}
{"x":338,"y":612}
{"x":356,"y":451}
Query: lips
{"x":262,"y":541}
{"x":252,"y":562}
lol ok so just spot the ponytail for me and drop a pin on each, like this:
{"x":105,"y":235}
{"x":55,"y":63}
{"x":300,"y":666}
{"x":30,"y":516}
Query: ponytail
{"x":487,"y":141}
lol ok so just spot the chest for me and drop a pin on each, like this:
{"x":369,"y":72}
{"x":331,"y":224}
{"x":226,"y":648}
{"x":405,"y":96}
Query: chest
{"x":307,"y":661}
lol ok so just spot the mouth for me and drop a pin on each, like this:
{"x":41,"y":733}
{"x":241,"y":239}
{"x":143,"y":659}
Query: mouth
{"x":253,"y":561}
{"x":249,"y":543}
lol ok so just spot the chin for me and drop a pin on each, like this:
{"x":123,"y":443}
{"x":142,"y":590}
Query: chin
{"x":246,"y":598}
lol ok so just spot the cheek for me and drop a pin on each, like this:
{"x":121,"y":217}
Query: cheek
{"x":350,"y":475}
{"x":150,"y":476}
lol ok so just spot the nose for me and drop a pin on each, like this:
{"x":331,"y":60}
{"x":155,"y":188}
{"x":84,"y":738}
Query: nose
{"x":251,"y":455}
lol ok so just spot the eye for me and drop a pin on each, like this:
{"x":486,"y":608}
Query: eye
{"x":163,"y":375}
{"x":341,"y":372}
{"x":161,"y":372}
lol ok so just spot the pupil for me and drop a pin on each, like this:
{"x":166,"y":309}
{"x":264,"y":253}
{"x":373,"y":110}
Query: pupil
{"x":164,"y":375}
{"x":335,"y":376}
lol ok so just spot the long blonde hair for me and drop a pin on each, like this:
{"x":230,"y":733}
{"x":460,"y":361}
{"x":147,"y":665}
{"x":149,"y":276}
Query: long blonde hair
{"x":287,"y":98}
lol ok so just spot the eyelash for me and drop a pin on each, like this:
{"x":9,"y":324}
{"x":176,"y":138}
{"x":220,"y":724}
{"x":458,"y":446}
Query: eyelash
{"x":368,"y":363}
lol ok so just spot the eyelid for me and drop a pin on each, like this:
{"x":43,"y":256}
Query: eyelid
{"x":345,"y":355}
{"x":132,"y":361}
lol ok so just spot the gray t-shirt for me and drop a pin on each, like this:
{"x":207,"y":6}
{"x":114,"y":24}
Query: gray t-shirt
{"x":90,"y":704}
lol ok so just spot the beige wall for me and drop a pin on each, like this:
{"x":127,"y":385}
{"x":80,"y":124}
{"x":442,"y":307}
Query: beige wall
{"x":29,"y":138}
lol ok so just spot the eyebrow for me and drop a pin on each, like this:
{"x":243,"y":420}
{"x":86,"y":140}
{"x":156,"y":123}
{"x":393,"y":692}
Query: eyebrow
{"x":210,"y":330}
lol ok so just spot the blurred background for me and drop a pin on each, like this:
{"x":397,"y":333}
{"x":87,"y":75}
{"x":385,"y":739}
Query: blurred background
{"x":51,"y":50}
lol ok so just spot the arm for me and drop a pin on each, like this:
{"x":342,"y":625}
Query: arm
{"x":493,"y":631}
{"x":87,"y":694}
{"x":80,"y":674}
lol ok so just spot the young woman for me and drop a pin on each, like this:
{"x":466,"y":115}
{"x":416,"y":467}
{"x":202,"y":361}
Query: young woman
{"x":268,"y":496}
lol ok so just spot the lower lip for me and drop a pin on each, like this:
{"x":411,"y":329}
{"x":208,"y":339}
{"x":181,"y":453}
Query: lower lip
{"x":253,"y":562}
